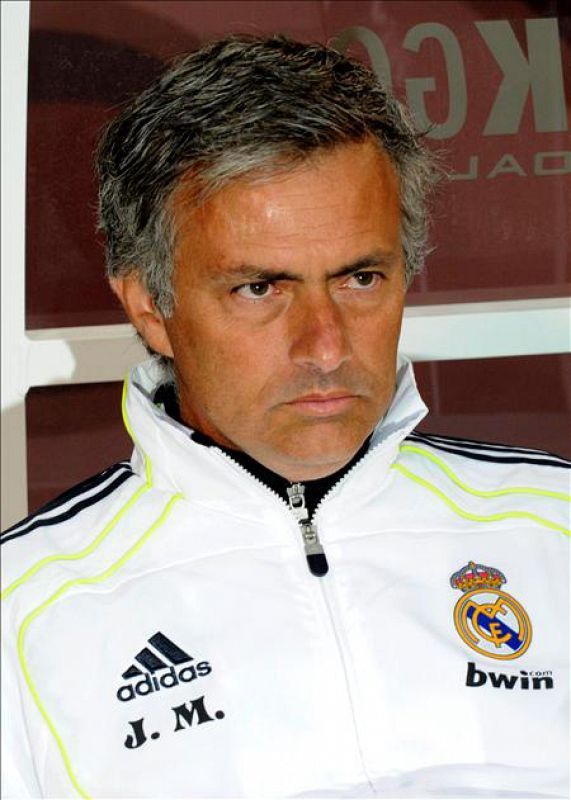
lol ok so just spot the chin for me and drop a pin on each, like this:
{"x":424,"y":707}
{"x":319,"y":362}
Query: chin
{"x":322,"y":454}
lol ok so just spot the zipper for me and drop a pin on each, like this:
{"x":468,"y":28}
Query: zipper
{"x":318,"y":566}
{"x":317,"y":562}
{"x":314,"y":552}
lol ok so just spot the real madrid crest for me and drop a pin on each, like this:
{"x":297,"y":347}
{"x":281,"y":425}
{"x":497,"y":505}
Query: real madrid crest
{"x":490,"y":621}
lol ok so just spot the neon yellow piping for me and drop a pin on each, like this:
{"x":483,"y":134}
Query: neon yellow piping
{"x":497,"y":493}
{"x":127,"y":424}
{"x":107,"y":529}
{"x":81,"y":553}
{"x":477,"y":517}
{"x":62,"y":590}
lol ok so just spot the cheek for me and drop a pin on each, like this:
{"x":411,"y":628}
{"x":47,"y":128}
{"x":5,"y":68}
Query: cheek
{"x":375,"y":340}
{"x":227,"y":363}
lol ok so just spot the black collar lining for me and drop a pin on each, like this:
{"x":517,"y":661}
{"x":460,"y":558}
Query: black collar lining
{"x":315,"y":490}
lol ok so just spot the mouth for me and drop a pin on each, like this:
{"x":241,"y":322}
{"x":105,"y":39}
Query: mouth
{"x":323,"y":405}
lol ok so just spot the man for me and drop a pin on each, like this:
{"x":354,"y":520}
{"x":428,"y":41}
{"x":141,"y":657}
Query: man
{"x":286,"y":592}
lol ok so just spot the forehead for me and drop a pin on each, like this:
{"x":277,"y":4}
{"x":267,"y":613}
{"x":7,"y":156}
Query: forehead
{"x":336,"y":203}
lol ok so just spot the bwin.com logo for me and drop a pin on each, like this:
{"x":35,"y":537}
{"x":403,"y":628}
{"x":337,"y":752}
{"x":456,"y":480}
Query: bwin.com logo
{"x":162,"y":671}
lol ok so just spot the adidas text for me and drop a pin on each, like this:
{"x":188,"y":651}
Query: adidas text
{"x":169,"y":678}
{"x":499,"y":680}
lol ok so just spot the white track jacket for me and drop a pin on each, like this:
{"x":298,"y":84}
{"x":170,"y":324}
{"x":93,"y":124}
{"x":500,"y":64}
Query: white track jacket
{"x":164,"y":637}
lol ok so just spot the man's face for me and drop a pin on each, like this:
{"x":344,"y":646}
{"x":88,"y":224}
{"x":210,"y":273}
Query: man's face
{"x":289,"y":298}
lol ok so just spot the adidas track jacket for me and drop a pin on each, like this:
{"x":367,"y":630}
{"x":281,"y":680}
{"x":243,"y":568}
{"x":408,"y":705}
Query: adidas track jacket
{"x":164,"y":636}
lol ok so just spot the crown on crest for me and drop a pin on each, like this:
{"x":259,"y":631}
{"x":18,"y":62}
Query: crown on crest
{"x":477,"y":576}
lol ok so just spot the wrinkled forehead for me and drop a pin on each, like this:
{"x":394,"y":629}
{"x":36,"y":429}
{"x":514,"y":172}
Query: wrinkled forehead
{"x":338,"y":196}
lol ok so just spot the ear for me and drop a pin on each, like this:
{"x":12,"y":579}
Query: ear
{"x":142,"y":312}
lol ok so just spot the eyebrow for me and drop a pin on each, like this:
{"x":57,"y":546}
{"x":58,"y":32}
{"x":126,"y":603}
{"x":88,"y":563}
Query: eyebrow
{"x":252,"y":273}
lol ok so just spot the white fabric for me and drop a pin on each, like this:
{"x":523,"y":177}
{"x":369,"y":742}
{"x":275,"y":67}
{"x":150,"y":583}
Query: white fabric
{"x":350,"y":685}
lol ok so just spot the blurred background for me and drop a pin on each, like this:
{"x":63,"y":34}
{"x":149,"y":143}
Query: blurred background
{"x":492,"y":81}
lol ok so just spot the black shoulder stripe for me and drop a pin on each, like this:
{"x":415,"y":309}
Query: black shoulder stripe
{"x":71,"y":512}
{"x":480,"y":445}
{"x":472,"y":444}
{"x":499,"y":459}
{"x":79,"y":489}
{"x":84,"y":486}
{"x":37,"y":519}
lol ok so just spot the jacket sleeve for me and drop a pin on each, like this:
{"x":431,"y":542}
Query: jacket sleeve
{"x":18,"y":775}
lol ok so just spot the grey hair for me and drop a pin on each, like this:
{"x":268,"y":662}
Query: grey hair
{"x":245,"y":106}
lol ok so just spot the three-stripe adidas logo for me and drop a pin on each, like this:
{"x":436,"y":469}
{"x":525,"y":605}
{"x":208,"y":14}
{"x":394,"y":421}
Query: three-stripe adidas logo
{"x":151,"y":662}
{"x":160,"y":672}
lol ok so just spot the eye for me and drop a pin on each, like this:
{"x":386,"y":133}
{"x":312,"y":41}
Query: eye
{"x":364,"y":280}
{"x":255,"y":291}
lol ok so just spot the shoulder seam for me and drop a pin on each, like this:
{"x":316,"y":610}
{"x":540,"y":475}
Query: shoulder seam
{"x":483,"y":518}
{"x":484,"y":493}
{"x":37,"y":520}
{"x":493,"y":453}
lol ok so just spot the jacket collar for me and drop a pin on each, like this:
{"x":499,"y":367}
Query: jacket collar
{"x":173,"y":462}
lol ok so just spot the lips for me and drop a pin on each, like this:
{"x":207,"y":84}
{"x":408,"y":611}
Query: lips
{"x":322,"y":398}
{"x":323,"y":404}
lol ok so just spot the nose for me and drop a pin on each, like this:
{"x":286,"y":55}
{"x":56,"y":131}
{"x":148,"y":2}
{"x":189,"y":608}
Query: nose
{"x":319,"y":338}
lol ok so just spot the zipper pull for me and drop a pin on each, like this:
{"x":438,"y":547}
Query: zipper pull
{"x":316,"y":558}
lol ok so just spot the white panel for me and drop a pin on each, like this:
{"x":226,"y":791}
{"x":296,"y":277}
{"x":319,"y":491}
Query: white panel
{"x":15,"y":23}
{"x":487,"y":330}
{"x":82,"y":355}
